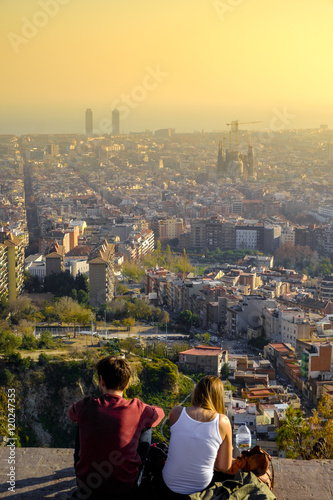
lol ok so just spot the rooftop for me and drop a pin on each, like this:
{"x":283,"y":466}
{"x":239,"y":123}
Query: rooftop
{"x":48,"y":473}
{"x":203,"y":350}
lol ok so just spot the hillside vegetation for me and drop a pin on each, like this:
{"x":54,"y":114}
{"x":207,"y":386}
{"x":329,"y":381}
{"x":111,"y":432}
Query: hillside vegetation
{"x":45,"y":389}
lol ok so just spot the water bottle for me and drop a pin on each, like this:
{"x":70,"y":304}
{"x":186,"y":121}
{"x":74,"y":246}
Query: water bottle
{"x":243,"y":438}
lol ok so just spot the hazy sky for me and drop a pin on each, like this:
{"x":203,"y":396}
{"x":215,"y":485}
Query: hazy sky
{"x":188,"y":64}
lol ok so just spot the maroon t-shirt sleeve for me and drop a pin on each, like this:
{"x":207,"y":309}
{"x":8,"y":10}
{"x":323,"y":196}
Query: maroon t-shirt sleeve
{"x":74,"y":410}
{"x":151,"y":416}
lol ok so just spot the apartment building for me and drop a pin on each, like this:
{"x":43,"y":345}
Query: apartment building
{"x":294,"y":327}
{"x":55,"y":260}
{"x":11,"y":265}
{"x":250,"y":236}
{"x":3,"y":271}
{"x":326,"y":288}
{"x":248,"y":313}
{"x":101,"y":274}
{"x":317,"y":361}
{"x":138,"y":244}
{"x":203,"y":359}
{"x":287,"y":235}
{"x":170,"y":229}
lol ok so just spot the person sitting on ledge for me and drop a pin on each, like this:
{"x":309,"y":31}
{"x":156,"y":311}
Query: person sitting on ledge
{"x":114,"y":435}
{"x":201,"y":441}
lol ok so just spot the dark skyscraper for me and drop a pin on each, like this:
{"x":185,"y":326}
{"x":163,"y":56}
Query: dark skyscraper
{"x":250,"y":156}
{"x":89,"y":122}
{"x":220,"y":161}
{"x":115,"y":122}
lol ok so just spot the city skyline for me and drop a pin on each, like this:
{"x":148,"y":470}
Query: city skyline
{"x":191,"y":66}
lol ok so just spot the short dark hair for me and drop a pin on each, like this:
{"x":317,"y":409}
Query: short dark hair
{"x":115,"y":371}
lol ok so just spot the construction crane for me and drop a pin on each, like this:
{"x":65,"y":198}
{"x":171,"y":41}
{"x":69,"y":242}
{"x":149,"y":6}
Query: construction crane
{"x":234,"y":128}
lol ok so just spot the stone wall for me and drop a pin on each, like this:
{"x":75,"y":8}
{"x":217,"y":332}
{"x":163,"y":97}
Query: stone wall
{"x":48,"y":473}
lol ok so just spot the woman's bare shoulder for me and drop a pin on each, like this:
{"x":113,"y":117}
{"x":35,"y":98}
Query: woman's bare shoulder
{"x":175,"y":414}
{"x":224,"y":422}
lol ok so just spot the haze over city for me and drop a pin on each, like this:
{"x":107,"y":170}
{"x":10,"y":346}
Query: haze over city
{"x":166,"y":212}
{"x":187,"y":65}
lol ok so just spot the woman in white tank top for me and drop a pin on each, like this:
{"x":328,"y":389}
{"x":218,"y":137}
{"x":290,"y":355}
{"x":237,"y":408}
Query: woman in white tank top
{"x":200,"y":441}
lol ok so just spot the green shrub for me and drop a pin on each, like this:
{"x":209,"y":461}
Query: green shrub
{"x":6,"y":377}
{"x":29,"y":343}
{"x":46,"y":340}
{"x":43,"y":359}
{"x":9,"y":341}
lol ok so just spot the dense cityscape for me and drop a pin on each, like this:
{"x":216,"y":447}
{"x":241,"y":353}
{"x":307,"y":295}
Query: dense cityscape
{"x":246,"y":214}
{"x":166,"y":250}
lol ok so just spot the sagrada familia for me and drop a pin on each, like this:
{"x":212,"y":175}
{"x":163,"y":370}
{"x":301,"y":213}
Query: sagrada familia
{"x":234,"y":165}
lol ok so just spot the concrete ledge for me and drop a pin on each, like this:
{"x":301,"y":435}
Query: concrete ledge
{"x":46,"y":473}
{"x":41,"y":473}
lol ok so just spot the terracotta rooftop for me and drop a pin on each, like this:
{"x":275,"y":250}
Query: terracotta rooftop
{"x":203,"y":350}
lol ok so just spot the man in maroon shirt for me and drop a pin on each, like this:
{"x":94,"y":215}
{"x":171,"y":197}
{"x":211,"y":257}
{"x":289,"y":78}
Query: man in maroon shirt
{"x":109,"y":432}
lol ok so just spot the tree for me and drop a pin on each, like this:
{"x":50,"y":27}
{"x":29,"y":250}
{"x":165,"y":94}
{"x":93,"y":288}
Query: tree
{"x":185,"y":317}
{"x":43,"y":359}
{"x":225,"y":371}
{"x":49,"y":312}
{"x":322,"y":426}
{"x":117,"y":309}
{"x":195,"y":319}
{"x":4,"y":307}
{"x":182,"y":264}
{"x":158,"y":248}
{"x":259,"y":342}
{"x":29,"y":342}
{"x":174,"y":242}
{"x":59,"y":284}
{"x":21,"y":308}
{"x":188,"y":319}
{"x":132,"y":271}
{"x":46,"y":340}
{"x":112,"y":347}
{"x":161,"y":375}
{"x":9,"y":342}
{"x":83,"y":298}
{"x":26,"y":327}
{"x":129,"y":322}
{"x":150,"y":260}
{"x":294,"y":434}
{"x":324,"y":268}
{"x":308,"y":438}
{"x":63,"y":284}
{"x":295,"y":257}
{"x":129,"y":344}
{"x":121,"y":289}
{"x":32,"y":283}
{"x":206,"y":337}
{"x":6,"y":378}
{"x":164,"y":317}
{"x":82,"y":282}
{"x":229,"y":387}
{"x":69,"y":311}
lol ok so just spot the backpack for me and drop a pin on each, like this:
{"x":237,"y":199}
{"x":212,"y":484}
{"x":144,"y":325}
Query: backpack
{"x":151,"y":477}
